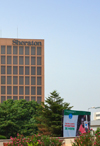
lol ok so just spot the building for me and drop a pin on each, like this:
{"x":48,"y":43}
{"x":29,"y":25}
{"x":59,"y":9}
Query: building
{"x":96,"y":116}
{"x":95,"y":124}
{"x":22,"y":69}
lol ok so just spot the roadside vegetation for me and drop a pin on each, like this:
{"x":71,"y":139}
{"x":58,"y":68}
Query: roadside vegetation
{"x":29,"y":117}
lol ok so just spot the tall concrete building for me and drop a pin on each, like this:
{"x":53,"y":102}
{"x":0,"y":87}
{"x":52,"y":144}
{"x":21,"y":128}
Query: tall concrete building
{"x":22,"y":69}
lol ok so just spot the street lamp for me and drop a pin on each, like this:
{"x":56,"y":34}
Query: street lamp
{"x":93,"y":108}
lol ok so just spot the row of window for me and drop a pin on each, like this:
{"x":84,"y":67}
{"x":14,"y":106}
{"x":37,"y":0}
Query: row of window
{"x":21,"y":90}
{"x":21,"y":50}
{"x":21,"y":60}
{"x":21,"y":70}
{"x":21,"y":80}
{"x":27,"y":98}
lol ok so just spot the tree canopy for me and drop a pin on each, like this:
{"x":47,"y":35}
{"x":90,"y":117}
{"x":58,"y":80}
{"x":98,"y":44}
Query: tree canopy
{"x":51,"y":115}
{"x":18,"y":117}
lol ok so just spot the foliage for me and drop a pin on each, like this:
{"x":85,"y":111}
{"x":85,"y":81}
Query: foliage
{"x":97,"y":131}
{"x":51,"y":114}
{"x":35,"y":140}
{"x":90,"y":138}
{"x":18,"y":117}
{"x":97,"y":137}
{"x":85,"y":139}
{"x":2,"y":137}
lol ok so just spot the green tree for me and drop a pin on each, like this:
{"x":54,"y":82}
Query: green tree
{"x":18,"y":117}
{"x":51,"y":115}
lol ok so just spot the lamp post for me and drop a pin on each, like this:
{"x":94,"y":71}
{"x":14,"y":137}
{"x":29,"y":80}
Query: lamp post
{"x":93,"y":108}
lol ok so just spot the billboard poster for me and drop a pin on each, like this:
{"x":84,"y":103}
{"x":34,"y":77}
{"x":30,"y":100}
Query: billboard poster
{"x":75,"y":122}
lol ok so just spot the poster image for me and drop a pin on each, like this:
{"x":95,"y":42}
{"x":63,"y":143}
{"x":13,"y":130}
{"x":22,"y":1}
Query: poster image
{"x":83,"y":124}
{"x":75,"y":123}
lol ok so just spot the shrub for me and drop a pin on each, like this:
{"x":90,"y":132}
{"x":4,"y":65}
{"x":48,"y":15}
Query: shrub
{"x":35,"y":140}
{"x":2,"y":137}
{"x":97,"y":131}
{"x":86,"y":139}
{"x":97,"y":138}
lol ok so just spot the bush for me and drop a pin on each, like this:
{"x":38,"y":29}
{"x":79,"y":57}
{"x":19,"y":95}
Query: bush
{"x":90,"y":138}
{"x":97,"y":138}
{"x":97,"y":131}
{"x":86,"y":139}
{"x":2,"y":137}
{"x":35,"y":140}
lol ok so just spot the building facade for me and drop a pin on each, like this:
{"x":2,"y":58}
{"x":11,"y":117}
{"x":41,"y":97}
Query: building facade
{"x":21,"y":69}
{"x":96,"y":116}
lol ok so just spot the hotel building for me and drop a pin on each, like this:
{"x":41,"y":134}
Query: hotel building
{"x":21,"y":69}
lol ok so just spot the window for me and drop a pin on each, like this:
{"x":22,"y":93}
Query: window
{"x":2,"y":49}
{"x":38,"y":60}
{"x":38,"y":80}
{"x":33,"y":90}
{"x":20,"y":90}
{"x":15,"y":79}
{"x":26,"y":80}
{"x":8,"y":79}
{"x":15,"y":90}
{"x":14,"y":49}
{"x":2,"y":69}
{"x":14,"y":59}
{"x":2,"y":79}
{"x":26,"y":60}
{"x":38,"y":100}
{"x":2,"y":59}
{"x":21,"y":70}
{"x":38,"y":90}
{"x":38,"y":50}
{"x":15,"y":98}
{"x":27,"y":98}
{"x":8,"y":59}
{"x":8,"y":69}
{"x":8,"y":89}
{"x":98,"y":115}
{"x":2,"y":89}
{"x":38,"y":70}
{"x":8,"y":97}
{"x":32,"y":50}
{"x":26,"y":50}
{"x":33,"y":98}
{"x":2,"y":99}
{"x":26,"y":70}
{"x":32,"y":80}
{"x":15,"y":69}
{"x":32,"y":60}
{"x":20,"y":59}
{"x":26,"y":90}
{"x":32,"y":70}
{"x":21,"y":97}
{"x":8,"y":49}
{"x":21,"y":80}
{"x":20,"y":50}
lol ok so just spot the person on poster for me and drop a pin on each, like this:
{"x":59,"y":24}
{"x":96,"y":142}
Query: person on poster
{"x":82,"y":129}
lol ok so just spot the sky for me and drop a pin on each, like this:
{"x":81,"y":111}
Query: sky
{"x":71,"y":30}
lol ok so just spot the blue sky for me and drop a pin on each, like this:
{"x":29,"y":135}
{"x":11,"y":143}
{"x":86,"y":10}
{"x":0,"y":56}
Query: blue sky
{"x":71,"y":30}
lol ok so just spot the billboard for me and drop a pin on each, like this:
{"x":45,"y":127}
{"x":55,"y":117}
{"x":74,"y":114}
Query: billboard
{"x":75,"y":122}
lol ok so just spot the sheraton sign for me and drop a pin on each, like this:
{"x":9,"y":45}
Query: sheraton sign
{"x":17,"y":42}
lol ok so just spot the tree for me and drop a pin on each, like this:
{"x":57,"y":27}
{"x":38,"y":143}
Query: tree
{"x":18,"y":117}
{"x":51,"y":115}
